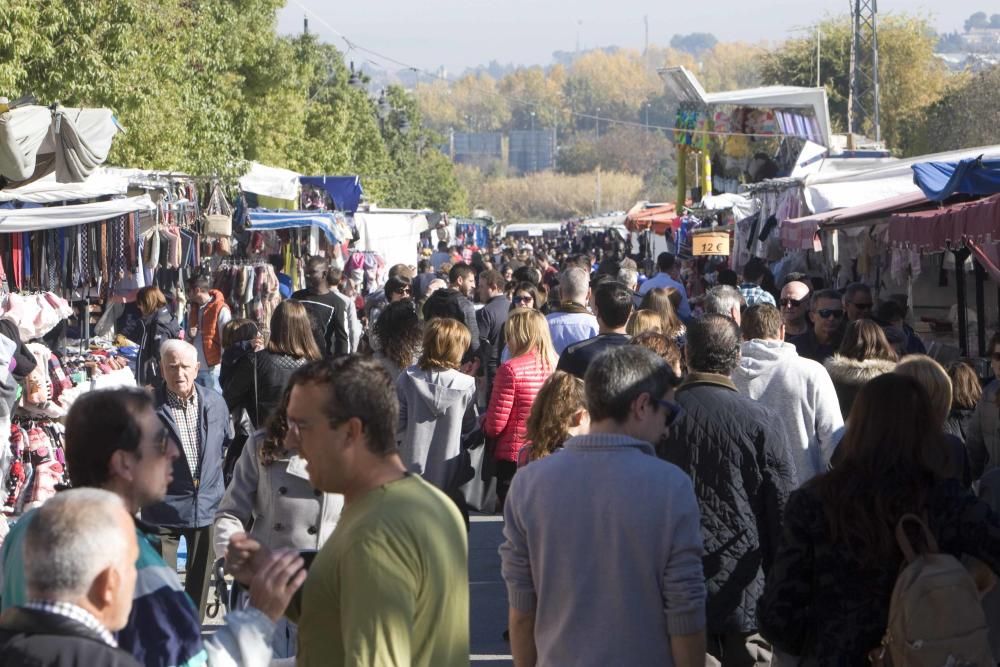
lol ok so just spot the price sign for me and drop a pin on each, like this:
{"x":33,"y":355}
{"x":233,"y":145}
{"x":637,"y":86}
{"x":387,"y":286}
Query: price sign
{"x":714,"y":243}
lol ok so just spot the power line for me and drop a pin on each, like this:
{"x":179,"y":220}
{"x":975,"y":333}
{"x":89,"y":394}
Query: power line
{"x":352,"y":45}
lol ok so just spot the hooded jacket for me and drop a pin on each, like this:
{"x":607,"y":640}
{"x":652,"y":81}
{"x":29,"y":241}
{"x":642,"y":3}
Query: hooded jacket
{"x":849,"y":376}
{"x":433,"y":406}
{"x":743,"y":475}
{"x":801,"y":393}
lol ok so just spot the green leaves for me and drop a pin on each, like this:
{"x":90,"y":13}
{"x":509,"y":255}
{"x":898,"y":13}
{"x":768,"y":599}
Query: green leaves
{"x":204,"y":85}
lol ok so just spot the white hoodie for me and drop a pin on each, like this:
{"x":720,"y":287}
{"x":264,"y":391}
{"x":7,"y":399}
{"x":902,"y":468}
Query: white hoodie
{"x":801,"y":392}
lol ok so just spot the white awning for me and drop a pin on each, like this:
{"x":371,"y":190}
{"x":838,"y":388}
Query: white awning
{"x":36,"y":141}
{"x":271,"y":182}
{"x":53,"y":217}
{"x":105,"y":181}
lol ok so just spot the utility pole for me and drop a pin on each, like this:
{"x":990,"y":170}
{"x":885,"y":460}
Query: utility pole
{"x":645,"y":48}
{"x":305,"y":24}
{"x":863,"y":100}
{"x":597,"y":123}
{"x":819,"y":42}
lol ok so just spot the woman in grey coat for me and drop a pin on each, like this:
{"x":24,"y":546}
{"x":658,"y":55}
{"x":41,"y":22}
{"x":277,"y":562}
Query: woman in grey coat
{"x":434,"y":400}
{"x":271,"y":488}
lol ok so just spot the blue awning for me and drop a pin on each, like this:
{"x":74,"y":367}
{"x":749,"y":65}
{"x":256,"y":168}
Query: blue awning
{"x":940,"y":180}
{"x":345,"y":191}
{"x":272,"y":220}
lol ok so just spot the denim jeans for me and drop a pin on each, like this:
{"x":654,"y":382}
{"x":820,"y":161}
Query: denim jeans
{"x":209,"y":378}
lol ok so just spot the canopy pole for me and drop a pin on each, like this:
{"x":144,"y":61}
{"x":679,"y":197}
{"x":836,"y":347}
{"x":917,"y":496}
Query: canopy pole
{"x":963,"y":320}
{"x":980,"y":307}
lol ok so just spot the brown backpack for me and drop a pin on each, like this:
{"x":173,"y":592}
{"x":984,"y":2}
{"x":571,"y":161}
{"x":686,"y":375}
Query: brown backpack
{"x":935,"y":617}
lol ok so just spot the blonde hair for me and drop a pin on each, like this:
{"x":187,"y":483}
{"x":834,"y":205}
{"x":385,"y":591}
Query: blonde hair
{"x":557,"y":401}
{"x":150,"y":300}
{"x":527,"y":331}
{"x":643,"y":321}
{"x":933,"y":378}
{"x":445,"y":342}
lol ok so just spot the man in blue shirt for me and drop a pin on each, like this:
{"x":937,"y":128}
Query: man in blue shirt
{"x":669,"y":271}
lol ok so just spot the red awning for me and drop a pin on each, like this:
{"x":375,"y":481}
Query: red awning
{"x":657,"y":218}
{"x":863,"y":212}
{"x":947,"y":227}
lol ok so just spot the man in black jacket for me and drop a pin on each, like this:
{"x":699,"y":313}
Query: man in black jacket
{"x":742,"y":475}
{"x":326,"y":309}
{"x":490,"y":319}
{"x":79,"y":553}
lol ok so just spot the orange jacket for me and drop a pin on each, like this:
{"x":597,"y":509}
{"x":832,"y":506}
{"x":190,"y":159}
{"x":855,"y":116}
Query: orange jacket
{"x":208,"y":327}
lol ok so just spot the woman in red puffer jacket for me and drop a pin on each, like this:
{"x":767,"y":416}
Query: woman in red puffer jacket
{"x":517,"y":381}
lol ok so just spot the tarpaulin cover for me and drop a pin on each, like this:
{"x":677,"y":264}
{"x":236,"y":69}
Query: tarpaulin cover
{"x":940,"y":180}
{"x":37,"y":140}
{"x":273,"y":182}
{"x":271,"y":220}
{"x":939,"y":229}
{"x":657,"y":218}
{"x":345,"y":191}
{"x":393,"y":235}
{"x":52,"y":217}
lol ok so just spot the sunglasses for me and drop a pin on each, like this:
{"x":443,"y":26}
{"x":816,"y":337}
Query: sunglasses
{"x":827,"y":313}
{"x":790,"y":302}
{"x":523,"y":299}
{"x":863,"y":306}
{"x":674,"y":412}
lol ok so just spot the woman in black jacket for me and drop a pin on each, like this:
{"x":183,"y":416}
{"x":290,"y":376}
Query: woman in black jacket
{"x":828,"y":592}
{"x":258,"y":379}
{"x":157,"y":325}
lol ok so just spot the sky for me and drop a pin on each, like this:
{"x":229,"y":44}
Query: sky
{"x":457,"y":34}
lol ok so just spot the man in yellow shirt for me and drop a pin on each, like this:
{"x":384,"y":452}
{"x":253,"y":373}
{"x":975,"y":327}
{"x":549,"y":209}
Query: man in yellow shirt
{"x":391,"y":586}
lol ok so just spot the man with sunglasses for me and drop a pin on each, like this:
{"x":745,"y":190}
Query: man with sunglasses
{"x":602,"y":557}
{"x":858,"y":302}
{"x":822,"y":338}
{"x":735,"y":451}
{"x":794,"y":304}
{"x":115,"y":441}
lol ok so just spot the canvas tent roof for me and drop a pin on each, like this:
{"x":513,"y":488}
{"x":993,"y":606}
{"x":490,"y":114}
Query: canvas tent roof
{"x":271,"y":220}
{"x":36,"y":141}
{"x":271,"y":182}
{"x":974,"y":176}
{"x":53,"y":217}
{"x":685,"y":88}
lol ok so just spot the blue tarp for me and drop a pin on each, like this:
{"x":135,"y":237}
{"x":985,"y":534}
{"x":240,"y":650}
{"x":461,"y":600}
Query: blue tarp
{"x":272,"y":220}
{"x":345,"y":191}
{"x":940,"y":180}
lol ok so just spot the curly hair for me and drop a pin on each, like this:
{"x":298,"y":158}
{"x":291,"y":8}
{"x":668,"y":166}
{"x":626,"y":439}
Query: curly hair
{"x":273,"y":446}
{"x":557,"y":401}
{"x":399,"y":332}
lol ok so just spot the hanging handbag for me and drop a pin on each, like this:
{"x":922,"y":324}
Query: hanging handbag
{"x":218,"y":214}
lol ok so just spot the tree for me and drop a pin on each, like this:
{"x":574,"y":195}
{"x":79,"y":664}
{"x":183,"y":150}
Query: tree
{"x":966,"y":117}
{"x":609,"y":85}
{"x":531,"y":90}
{"x":910,"y":75}
{"x":995,"y":21}
{"x":978,"y":20}
{"x":695,"y":43}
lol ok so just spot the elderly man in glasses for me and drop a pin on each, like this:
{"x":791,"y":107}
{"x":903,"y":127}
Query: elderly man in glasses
{"x":822,"y":338}
{"x":735,"y":450}
{"x":794,"y":305}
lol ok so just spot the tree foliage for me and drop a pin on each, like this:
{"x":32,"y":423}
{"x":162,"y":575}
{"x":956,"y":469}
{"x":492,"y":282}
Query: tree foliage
{"x":966,"y":117}
{"x":911,"y":77}
{"x":204,"y":85}
{"x":694,"y":43}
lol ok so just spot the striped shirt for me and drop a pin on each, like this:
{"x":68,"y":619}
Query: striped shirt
{"x":185,"y":412}
{"x":73,"y":612}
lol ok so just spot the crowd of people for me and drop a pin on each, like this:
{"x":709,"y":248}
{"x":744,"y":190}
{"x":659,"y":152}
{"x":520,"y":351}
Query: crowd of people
{"x":694,"y":467}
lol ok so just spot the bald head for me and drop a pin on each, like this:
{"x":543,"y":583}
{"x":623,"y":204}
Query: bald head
{"x":179,"y":363}
{"x":794,"y":305}
{"x":795,"y":290}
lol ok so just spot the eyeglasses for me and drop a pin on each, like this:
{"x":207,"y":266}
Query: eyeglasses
{"x":674,"y":412}
{"x":789,"y":302}
{"x":523,"y":299}
{"x":827,"y":313}
{"x":162,"y":441}
{"x":402,"y":290}
{"x":862,"y":306}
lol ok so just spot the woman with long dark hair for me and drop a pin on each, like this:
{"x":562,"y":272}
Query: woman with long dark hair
{"x":828,"y":590}
{"x":156,"y":326}
{"x":865,"y":353}
{"x":399,"y":334}
{"x":259,"y":380}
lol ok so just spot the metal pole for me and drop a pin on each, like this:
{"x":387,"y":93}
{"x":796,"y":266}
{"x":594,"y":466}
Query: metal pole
{"x":597,"y":123}
{"x":819,"y":42}
{"x":963,"y":323}
{"x":980,"y":307}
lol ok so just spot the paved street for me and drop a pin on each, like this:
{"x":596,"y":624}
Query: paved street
{"x":488,"y":597}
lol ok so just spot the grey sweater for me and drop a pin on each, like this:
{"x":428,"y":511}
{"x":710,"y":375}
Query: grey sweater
{"x":611,"y":566}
